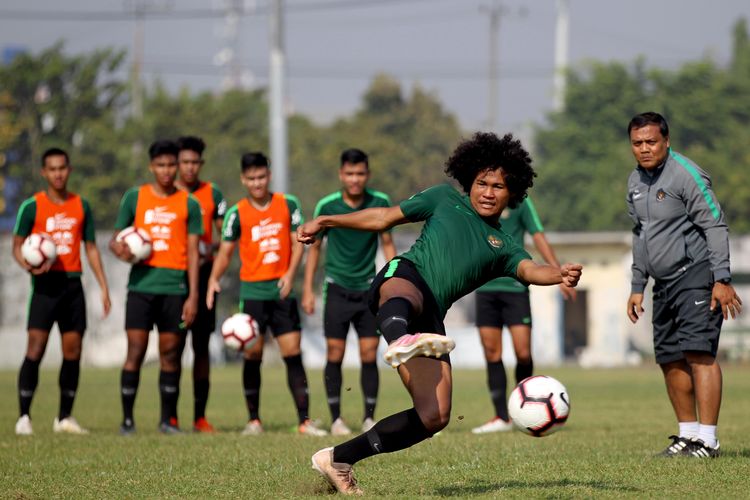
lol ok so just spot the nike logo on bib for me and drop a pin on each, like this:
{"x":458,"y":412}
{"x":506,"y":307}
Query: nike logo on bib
{"x":699,"y":302}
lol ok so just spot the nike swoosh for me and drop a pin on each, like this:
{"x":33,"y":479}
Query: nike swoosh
{"x":699,"y":302}
{"x":637,"y":195}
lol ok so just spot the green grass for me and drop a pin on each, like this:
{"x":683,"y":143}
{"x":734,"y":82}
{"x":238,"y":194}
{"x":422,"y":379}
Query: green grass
{"x":619,"y":419}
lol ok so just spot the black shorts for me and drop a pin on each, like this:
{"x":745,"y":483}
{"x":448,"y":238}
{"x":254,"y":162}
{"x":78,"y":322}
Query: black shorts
{"x":683,"y":321}
{"x":281,"y":316}
{"x":144,"y":310}
{"x":499,"y":309}
{"x":205,"y":320}
{"x":344,"y":306}
{"x":59,"y":298}
{"x":430,"y":320}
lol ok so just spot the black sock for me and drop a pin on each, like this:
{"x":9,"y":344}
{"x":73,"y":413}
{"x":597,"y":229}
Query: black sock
{"x":68,"y":381}
{"x":393,"y":433}
{"x":128,"y":388}
{"x":251,"y":386}
{"x":28,"y":379}
{"x":169,"y":391}
{"x":393,"y":318}
{"x":200,"y":397}
{"x":524,"y":370}
{"x":369,"y":379}
{"x":332,"y":379}
{"x":497,"y":382}
{"x":297,"y":382}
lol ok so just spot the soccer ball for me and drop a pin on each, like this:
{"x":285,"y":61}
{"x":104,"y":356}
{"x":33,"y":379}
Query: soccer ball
{"x":539,"y":405}
{"x":38,"y":248}
{"x":240,"y":332}
{"x":138,"y":240}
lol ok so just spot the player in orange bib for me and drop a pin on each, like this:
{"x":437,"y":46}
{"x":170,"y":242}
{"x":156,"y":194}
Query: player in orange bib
{"x":163,"y":288}
{"x":263,"y":224}
{"x":213,"y":207}
{"x":57,"y":294}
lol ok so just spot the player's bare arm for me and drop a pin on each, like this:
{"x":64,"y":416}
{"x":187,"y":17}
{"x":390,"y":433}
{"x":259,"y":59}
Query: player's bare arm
{"x":308,"y":287}
{"x":387,"y":246}
{"x":221,"y":263}
{"x":543,"y":274}
{"x":95,"y":260}
{"x":725,"y":296}
{"x":370,"y":219}
{"x":190,"y":308}
{"x":287,"y":281}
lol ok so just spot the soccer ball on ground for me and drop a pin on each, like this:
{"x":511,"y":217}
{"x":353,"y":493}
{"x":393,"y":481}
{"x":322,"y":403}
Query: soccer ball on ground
{"x":38,"y":248}
{"x":240,"y":332}
{"x":137,"y":240}
{"x":539,"y":405}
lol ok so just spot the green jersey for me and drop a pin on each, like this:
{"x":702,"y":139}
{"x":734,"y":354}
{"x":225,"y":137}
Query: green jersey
{"x":516,"y":222}
{"x":350,"y":253}
{"x":457,"y":250}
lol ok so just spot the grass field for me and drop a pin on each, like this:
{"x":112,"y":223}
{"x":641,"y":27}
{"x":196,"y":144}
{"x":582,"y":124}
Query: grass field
{"x":619,"y":419}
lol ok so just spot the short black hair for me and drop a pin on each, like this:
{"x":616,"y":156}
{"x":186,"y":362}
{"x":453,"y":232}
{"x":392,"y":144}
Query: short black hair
{"x":253,"y":159}
{"x":191,"y":143}
{"x":354,"y":156}
{"x":163,"y":147}
{"x":649,"y":118}
{"x":486,"y":151}
{"x":55,"y":152}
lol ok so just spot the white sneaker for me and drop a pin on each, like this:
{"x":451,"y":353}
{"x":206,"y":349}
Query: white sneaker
{"x":340,"y":476}
{"x":497,"y":424}
{"x":23,"y":426}
{"x":68,"y":425}
{"x":339,"y":428}
{"x":309,"y":428}
{"x":367,"y":424}
{"x":253,"y":428}
{"x":419,"y":344}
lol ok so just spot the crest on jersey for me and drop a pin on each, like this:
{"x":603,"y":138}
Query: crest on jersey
{"x":494,"y":241}
{"x":660,"y":195}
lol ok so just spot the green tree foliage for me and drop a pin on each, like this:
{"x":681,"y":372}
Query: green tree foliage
{"x":583,"y":156}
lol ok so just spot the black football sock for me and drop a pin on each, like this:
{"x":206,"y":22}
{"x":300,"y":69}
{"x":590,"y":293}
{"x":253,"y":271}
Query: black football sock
{"x":200,"y":397}
{"x":524,"y":370}
{"x":393,"y":318}
{"x":370,"y":382}
{"x":393,"y":433}
{"x":297,"y":382}
{"x":69,"y":373}
{"x":497,"y":382}
{"x":169,"y":391}
{"x":129,"y":381}
{"x":332,"y":379}
{"x":28,"y":379}
{"x":251,"y":386}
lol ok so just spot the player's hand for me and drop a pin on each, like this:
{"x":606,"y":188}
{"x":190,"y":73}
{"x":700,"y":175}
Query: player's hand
{"x":43,"y":268}
{"x":308,"y":301}
{"x":121,"y":251}
{"x":727,"y":298}
{"x":568,"y":293}
{"x":285,"y":286}
{"x":189,"y":310}
{"x":635,"y":306}
{"x":213,"y":288}
{"x":307,"y":231}
{"x":571,"y":273}
{"x":106,"y":303}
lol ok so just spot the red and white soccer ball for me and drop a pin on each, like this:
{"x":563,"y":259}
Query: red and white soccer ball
{"x":38,"y":248}
{"x":138,"y":240}
{"x":240,"y":332}
{"x":539,"y":405}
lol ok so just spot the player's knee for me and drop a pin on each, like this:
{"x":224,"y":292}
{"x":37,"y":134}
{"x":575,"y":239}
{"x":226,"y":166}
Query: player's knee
{"x":523,"y":357}
{"x":435,"y":418}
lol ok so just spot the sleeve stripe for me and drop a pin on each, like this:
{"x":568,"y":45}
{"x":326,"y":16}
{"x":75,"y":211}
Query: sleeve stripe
{"x":324,"y":200}
{"x":381,"y":195}
{"x":21,"y":209}
{"x":534,"y":215}
{"x":698,"y":180}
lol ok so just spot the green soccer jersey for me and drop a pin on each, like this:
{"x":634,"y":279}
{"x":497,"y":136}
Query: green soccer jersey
{"x":350,"y":253}
{"x":516,"y":222}
{"x":457,"y":250}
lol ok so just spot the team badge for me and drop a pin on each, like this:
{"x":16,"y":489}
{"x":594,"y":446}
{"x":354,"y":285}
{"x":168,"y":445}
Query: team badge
{"x":660,"y":195}
{"x":494,"y":241}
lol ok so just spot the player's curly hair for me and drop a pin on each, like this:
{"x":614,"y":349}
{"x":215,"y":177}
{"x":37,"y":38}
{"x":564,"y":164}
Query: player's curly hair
{"x":486,"y":151}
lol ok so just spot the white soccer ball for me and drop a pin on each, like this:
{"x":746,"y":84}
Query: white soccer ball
{"x":38,"y":248}
{"x":539,"y":405}
{"x":138,"y":240}
{"x":240,"y":332}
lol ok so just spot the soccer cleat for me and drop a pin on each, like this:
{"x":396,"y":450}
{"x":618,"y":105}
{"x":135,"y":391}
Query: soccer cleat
{"x":308,"y":428}
{"x":699,"y":449}
{"x":23,"y":426}
{"x":338,"y":475}
{"x":68,"y":425}
{"x":368,"y":424}
{"x":497,"y":424}
{"x":419,"y":344}
{"x":339,"y":428}
{"x":680,"y":447}
{"x":202,"y":425}
{"x":127,"y":428}
{"x":253,"y":428}
{"x":170,"y":427}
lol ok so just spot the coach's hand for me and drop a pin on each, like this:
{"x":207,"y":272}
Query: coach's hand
{"x":635,"y":306}
{"x":727,"y":298}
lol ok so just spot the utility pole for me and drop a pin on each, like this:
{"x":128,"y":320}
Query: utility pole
{"x":277,"y":118}
{"x":495,"y":11}
{"x":562,"y":36}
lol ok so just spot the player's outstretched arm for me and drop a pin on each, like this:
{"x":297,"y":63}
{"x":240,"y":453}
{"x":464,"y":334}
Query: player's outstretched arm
{"x":548,"y":254}
{"x":542,"y":274}
{"x":370,"y":219}
{"x":221,"y":263}
{"x":95,"y":260}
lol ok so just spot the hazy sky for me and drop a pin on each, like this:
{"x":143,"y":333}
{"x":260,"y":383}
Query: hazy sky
{"x":334,"y":47}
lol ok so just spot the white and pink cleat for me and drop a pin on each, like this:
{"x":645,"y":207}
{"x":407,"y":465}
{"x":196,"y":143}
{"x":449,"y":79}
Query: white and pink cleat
{"x":418,"y":344}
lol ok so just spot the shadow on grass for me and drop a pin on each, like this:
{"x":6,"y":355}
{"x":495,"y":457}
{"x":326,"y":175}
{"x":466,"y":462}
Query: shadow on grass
{"x":487,"y":487}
